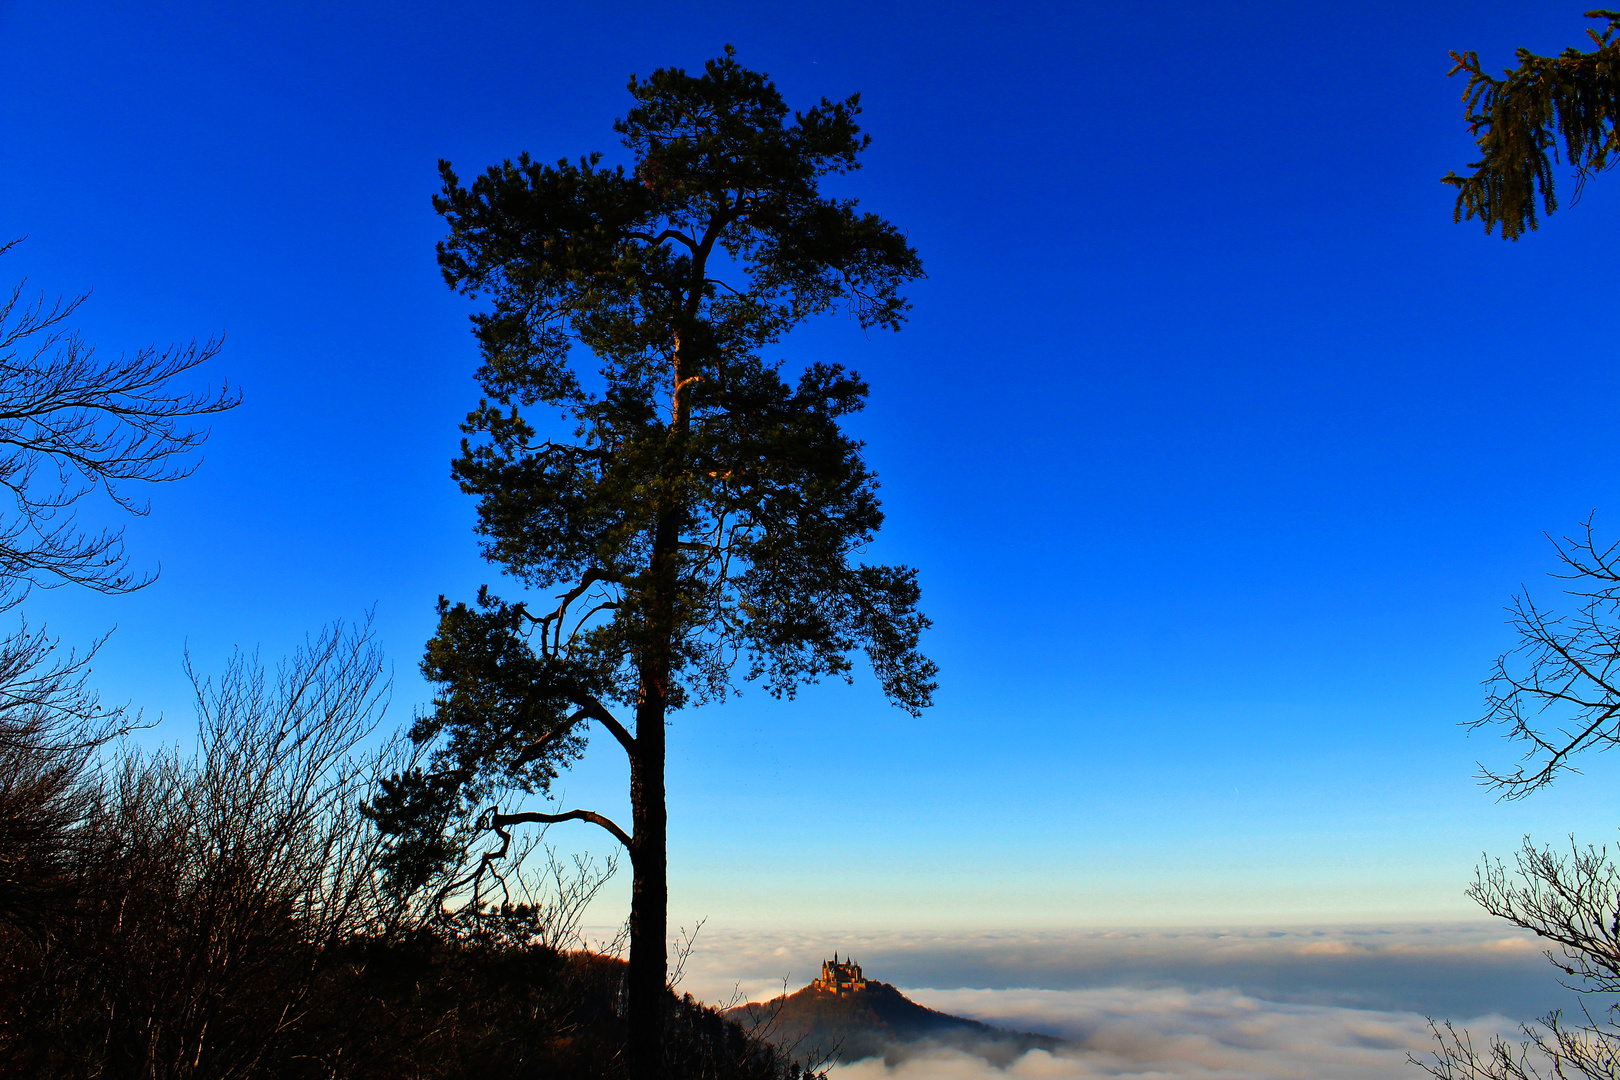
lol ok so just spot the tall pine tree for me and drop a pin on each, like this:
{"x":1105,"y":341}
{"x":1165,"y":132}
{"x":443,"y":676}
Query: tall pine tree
{"x":703,"y":521}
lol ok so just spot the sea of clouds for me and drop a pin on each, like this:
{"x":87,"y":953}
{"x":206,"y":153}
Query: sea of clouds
{"x":1338,"y":1003}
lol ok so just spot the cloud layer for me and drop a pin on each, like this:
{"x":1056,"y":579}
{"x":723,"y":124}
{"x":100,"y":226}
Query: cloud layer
{"x":1340,"y":1003}
{"x":1171,"y":1033}
{"x":1462,"y":970}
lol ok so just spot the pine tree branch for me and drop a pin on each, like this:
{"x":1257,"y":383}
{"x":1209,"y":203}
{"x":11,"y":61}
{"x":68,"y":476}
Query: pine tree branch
{"x":501,"y":821}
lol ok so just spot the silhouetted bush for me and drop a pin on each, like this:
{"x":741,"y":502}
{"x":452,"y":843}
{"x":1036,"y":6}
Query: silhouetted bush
{"x":222,"y":916}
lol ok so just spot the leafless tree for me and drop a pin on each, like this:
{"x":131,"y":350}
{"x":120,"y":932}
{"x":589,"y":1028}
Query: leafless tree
{"x":1551,"y":1049}
{"x":221,"y":883}
{"x":50,"y":724}
{"x":230,"y":920}
{"x":1557,"y":693}
{"x":71,"y":421}
{"x":1572,"y":900}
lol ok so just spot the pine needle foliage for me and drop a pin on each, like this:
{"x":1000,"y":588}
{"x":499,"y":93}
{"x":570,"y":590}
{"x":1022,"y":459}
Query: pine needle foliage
{"x":1549,"y":108}
{"x":703,"y":522}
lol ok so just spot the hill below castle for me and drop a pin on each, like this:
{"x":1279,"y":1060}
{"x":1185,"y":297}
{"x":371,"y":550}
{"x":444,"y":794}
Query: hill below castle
{"x":845,"y":1017}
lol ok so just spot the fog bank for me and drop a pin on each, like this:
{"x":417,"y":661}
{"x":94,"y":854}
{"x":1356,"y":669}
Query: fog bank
{"x":1339,"y":1003}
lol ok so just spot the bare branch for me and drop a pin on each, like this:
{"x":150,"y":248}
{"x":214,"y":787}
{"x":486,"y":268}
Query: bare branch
{"x":499,"y":821}
{"x":72,"y":422}
{"x":1562,"y":664}
{"x":1569,"y":899}
{"x":595,"y":575}
{"x":667,"y":234}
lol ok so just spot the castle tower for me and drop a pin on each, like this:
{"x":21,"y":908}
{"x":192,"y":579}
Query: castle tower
{"x":840,"y":978}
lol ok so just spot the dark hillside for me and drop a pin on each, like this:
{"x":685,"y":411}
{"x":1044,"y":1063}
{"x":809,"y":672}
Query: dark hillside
{"x":872,"y":1021}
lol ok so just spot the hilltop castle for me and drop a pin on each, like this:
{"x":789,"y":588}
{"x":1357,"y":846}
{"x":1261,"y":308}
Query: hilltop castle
{"x":840,"y":978}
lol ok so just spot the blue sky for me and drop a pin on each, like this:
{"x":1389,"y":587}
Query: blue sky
{"x":1220,"y":448}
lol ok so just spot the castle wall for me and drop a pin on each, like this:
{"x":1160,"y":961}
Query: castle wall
{"x":840,"y":978}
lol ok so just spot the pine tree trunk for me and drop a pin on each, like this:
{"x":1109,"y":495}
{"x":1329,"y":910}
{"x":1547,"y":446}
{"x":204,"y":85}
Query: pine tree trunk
{"x":649,"y":898}
{"x":649,"y":889}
